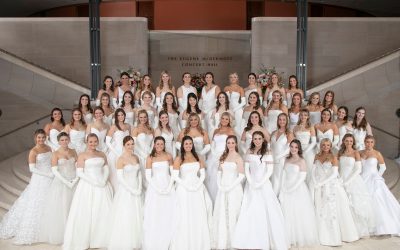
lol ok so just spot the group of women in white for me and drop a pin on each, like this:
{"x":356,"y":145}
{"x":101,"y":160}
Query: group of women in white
{"x":165,"y":169}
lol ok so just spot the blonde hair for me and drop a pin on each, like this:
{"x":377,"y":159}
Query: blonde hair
{"x":161,"y":83}
{"x":187,"y":129}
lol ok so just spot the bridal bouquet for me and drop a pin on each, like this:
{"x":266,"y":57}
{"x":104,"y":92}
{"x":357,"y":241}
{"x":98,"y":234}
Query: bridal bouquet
{"x":264,"y":76}
{"x":198,"y":82}
{"x":134,"y":74}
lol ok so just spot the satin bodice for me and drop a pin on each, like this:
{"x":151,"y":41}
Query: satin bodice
{"x":370,"y":166}
{"x":304,"y":138}
{"x":257,"y":166}
{"x":102,"y":136}
{"x":198,"y":143}
{"x":359,"y":136}
{"x":130,"y":118}
{"x":291,"y":174}
{"x":346,"y":166}
{"x":43,"y":162}
{"x":327,"y":134}
{"x":143,"y":144}
{"x":131,"y":173}
{"x":117,"y":140}
{"x":209,"y":98}
{"x":53,"y":133}
{"x":161,"y":173}
{"x":77,"y":137}
{"x":66,"y":167}
{"x":94,"y":168}
{"x":245,"y":116}
{"x":323,"y":170}
{"x":234,"y":98}
{"x":342,"y":131}
{"x":248,"y":92}
{"x":173,"y":119}
{"x":188,"y":172}
{"x":219,"y":143}
{"x":229,"y":173}
{"x":293,"y":119}
{"x":315,"y":117}
{"x":249,"y":136}
{"x":278,"y":145}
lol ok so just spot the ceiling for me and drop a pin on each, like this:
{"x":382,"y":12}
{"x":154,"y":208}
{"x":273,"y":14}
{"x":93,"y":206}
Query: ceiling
{"x":23,"y":8}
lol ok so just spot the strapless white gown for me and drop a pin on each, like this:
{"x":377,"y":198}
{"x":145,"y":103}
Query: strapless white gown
{"x":334,"y":219}
{"x":304,"y":137}
{"x":270,"y":120}
{"x":130,"y":118}
{"x":343,"y":130}
{"x":384,"y":204}
{"x":218,"y":147}
{"x":226,"y":209}
{"x":102,"y":138}
{"x":293,"y":120}
{"x":169,"y":143}
{"x":23,"y":219}
{"x":87,"y":224}
{"x":77,"y":140}
{"x":126,"y":216}
{"x":209,"y":100}
{"x":298,"y":209}
{"x":159,"y":210}
{"x":359,"y":135}
{"x":143,"y":146}
{"x":260,"y":224}
{"x":359,"y":197}
{"x":52,"y":139}
{"x":112,"y":156}
{"x":194,"y":211}
{"x":278,"y":148}
{"x":324,"y":135}
{"x":315,"y":117}
{"x":57,"y":204}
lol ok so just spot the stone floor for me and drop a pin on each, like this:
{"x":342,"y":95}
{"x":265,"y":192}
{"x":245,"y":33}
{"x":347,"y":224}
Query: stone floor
{"x":374,"y":243}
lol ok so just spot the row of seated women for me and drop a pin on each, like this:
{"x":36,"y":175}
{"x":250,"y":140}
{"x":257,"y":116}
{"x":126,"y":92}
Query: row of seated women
{"x":166,"y":204}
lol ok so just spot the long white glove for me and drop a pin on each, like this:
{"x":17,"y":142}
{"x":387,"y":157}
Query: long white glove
{"x":57,"y":175}
{"x":354,"y":174}
{"x":124,"y":184}
{"x":297,"y":184}
{"x":241,"y":104}
{"x":171,"y":182}
{"x":335,"y":140}
{"x":149,"y":180}
{"x":267,"y":175}
{"x":34,"y":170}
{"x":382,"y":168}
{"x":333,"y":175}
{"x":248,"y":175}
{"x":110,"y":146}
{"x":177,"y":179}
{"x":81,"y":174}
{"x":205,"y":150}
{"x":52,"y":145}
{"x":115,"y":103}
{"x":235,"y":183}
{"x":201,"y":180}
{"x":310,"y":146}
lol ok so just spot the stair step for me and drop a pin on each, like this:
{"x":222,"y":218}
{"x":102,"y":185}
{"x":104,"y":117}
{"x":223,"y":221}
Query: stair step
{"x":7,"y":199}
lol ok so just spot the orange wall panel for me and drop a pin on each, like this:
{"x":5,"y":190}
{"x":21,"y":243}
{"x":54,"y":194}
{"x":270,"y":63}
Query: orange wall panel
{"x":200,"y":14}
{"x":118,"y":9}
{"x":280,"y":9}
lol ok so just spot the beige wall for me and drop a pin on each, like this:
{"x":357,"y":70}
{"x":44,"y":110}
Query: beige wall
{"x":62,"y":44}
{"x":334,"y":44}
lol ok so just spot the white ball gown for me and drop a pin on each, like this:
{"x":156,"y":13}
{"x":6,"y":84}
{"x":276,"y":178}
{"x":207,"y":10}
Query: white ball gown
{"x":115,"y":149}
{"x":308,"y":143}
{"x":260,"y":224}
{"x":334,"y":219}
{"x":77,"y":140}
{"x":385,"y":205}
{"x":52,"y":141}
{"x":101,"y":135}
{"x":280,"y":149}
{"x":297,"y":208}
{"x":159,"y":208}
{"x":194,"y":210}
{"x":58,"y":202}
{"x":23,"y":219}
{"x":227,"y":207}
{"x":359,"y":136}
{"x":126,"y":216}
{"x":87,"y":224}
{"x":359,"y":197}
{"x":271,"y":119}
{"x":217,"y":148}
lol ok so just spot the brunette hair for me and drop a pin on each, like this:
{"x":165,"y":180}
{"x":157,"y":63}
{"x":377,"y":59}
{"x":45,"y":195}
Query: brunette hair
{"x":153,"y":151}
{"x":116,"y":122}
{"x":226,"y":151}
{"x":292,"y":105}
{"x":163,"y":112}
{"x":62,"y":116}
{"x":174,"y":105}
{"x":132,"y":103}
{"x":88,"y":106}
{"x":61,"y":134}
{"x":112,"y":83}
{"x":249,"y":124}
{"x":347,"y":112}
{"x":343,"y":147}
{"x":126,"y":139}
{"x":193,"y":151}
{"x":226,"y":101}
{"x":72,"y":122}
{"x":300,"y":152}
{"x":196,"y":107}
{"x":297,"y":82}
{"x":363,"y":123}
{"x":330,"y":105}
{"x":264,"y":147}
{"x":258,"y":102}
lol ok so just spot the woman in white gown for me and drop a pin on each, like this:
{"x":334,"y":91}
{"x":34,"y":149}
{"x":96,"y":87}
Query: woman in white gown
{"x":229,"y":197}
{"x":237,"y":100}
{"x":108,"y":110}
{"x":193,"y":205}
{"x":253,"y":104}
{"x":217,"y":148}
{"x":100,"y":128}
{"x":119,"y":91}
{"x":314,"y":107}
{"x":53,"y":128}
{"x":294,"y":111}
{"x":327,"y":129}
{"x":329,"y":103}
{"x":87,"y":224}
{"x":334,"y":218}
{"x":293,"y":88}
{"x":296,"y":203}
{"x":343,"y":124}
{"x":114,"y":138}
{"x":199,"y":135}
{"x":386,"y":207}
{"x":275,"y":107}
{"x":208,"y":96}
{"x":274,"y":84}
{"x":143,"y":135}
{"x":84,"y":106}
{"x":108,"y":87}
{"x":252,"y":87}
{"x":164,"y":87}
{"x":77,"y":131}
{"x":192,"y":107}
{"x":22,"y":221}
{"x":144,"y":85}
{"x":260,"y":224}
{"x":222,"y":105}
{"x":127,"y":105}
{"x":359,"y":197}
{"x":151,"y":111}
{"x":305,"y":133}
{"x":166,"y":132}
{"x":126,"y":216}
{"x":280,"y":140}
{"x":184,"y":90}
{"x":171,"y":108}
{"x":160,"y":202}
{"x":58,"y":200}
{"x":361,"y":128}
{"x":254,"y":123}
